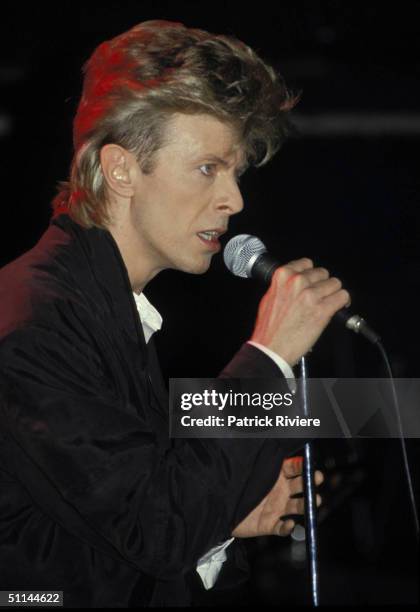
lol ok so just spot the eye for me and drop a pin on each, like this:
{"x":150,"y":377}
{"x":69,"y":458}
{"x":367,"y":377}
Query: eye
{"x":207,"y":166}
{"x":209,"y":171}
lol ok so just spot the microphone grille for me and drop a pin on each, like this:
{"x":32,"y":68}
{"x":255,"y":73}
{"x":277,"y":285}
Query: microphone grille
{"x":241,"y":252}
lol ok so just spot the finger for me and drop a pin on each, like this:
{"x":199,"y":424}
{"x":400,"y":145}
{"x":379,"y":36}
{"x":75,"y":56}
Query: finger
{"x":315,"y":275}
{"x":292,"y":467}
{"x":300,"y":265}
{"x":296,"y":484}
{"x":326,"y":287}
{"x":295,"y":506}
{"x":336,"y":301}
{"x":285,"y":528}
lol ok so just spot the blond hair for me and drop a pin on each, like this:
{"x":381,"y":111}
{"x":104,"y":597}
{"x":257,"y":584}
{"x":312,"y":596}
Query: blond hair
{"x":135,"y":82}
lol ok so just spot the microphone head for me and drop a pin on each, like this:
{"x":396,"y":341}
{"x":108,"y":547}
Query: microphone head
{"x":241,"y":252}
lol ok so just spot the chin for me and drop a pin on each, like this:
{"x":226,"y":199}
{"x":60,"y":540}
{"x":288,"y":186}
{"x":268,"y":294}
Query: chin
{"x":196,"y":267}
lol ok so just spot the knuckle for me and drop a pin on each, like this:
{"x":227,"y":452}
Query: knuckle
{"x":324,"y":272}
{"x":297,"y":279}
{"x":308,"y":297}
{"x":281,"y":274}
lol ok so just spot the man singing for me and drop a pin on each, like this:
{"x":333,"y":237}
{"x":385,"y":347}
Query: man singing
{"x":96,"y":500}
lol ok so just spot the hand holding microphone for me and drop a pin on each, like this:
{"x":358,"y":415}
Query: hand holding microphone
{"x":299,"y":303}
{"x":296,"y":309}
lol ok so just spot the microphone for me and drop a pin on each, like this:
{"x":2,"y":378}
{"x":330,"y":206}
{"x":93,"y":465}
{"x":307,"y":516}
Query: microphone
{"x":247,"y":256}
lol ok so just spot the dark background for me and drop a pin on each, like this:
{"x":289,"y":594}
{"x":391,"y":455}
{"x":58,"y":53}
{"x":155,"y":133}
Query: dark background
{"x":343,"y":191}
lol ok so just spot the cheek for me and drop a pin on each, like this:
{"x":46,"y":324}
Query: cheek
{"x":176,"y":208}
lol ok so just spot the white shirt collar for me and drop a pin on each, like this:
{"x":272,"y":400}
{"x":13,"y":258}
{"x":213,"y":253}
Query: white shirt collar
{"x":150,"y":318}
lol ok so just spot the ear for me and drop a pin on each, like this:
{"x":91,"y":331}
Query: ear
{"x":119,"y":168}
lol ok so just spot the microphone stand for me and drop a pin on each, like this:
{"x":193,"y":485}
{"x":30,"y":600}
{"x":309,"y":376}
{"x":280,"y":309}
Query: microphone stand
{"x":309,"y":488}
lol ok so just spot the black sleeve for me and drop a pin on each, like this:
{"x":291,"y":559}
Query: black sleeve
{"x":250,"y":362}
{"x":91,"y":462}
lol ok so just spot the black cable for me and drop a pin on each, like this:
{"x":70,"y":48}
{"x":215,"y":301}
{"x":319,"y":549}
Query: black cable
{"x":401,"y":438}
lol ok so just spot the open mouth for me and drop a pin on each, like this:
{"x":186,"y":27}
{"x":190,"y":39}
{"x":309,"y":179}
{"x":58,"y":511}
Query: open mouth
{"x":211,"y":238}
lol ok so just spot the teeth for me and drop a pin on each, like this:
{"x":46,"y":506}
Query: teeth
{"x":208,"y":235}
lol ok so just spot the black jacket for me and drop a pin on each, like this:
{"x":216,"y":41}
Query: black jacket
{"x":95,"y":499}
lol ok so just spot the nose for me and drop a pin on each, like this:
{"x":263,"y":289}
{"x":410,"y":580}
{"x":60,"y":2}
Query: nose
{"x":230,"y":201}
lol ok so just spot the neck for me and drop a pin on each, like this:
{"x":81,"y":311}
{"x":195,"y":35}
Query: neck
{"x":139,"y":267}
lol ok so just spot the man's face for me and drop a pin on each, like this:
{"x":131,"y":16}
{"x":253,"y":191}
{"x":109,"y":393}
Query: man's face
{"x":189,"y":192}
